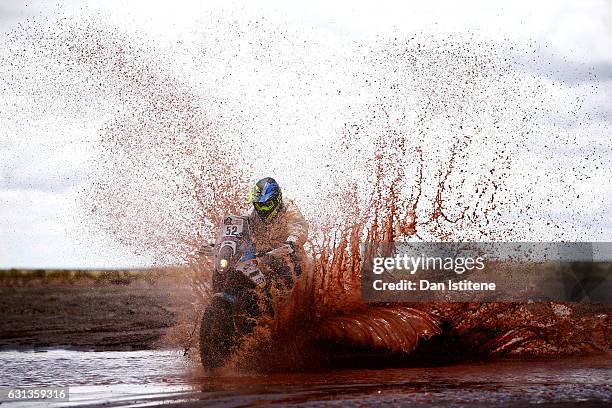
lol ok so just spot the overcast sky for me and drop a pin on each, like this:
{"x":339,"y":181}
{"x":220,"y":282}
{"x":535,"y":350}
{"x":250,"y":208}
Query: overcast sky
{"x":45,"y":162}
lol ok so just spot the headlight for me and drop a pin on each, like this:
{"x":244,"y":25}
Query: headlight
{"x":223,"y":263}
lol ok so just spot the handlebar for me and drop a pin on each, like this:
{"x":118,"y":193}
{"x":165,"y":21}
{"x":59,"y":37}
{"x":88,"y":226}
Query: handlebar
{"x":283,"y":250}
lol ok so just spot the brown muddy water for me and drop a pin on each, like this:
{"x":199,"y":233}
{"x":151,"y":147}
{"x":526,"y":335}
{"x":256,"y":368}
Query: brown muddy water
{"x":146,"y":378}
{"x":119,"y":341}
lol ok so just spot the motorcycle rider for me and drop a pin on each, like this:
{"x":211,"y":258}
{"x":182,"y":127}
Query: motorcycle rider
{"x":278,"y":231}
{"x":277,"y":222}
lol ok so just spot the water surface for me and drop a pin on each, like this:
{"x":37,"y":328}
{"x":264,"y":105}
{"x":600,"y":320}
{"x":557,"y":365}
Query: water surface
{"x":144,"y":378}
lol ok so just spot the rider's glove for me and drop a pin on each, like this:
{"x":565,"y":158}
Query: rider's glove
{"x":287,"y":249}
{"x":290,"y":244}
{"x":283,"y":250}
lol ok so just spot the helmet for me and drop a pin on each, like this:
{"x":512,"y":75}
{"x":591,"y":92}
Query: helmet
{"x":267,"y":198}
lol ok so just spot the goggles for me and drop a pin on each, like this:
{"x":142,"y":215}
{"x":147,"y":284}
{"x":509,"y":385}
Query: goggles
{"x":265,"y":206}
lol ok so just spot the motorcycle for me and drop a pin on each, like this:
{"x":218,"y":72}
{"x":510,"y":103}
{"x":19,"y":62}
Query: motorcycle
{"x":238,"y":284}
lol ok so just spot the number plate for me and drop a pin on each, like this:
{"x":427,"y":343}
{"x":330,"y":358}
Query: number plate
{"x":232,"y":227}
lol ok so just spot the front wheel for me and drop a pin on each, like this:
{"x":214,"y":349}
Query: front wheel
{"x":217,"y":334}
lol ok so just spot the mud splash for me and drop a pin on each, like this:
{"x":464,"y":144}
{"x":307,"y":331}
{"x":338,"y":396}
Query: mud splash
{"x":426,"y":149}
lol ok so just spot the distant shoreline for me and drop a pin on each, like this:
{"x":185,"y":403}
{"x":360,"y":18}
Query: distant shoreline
{"x":100,"y":310}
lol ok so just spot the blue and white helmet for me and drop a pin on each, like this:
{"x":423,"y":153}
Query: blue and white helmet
{"x":267,"y":198}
